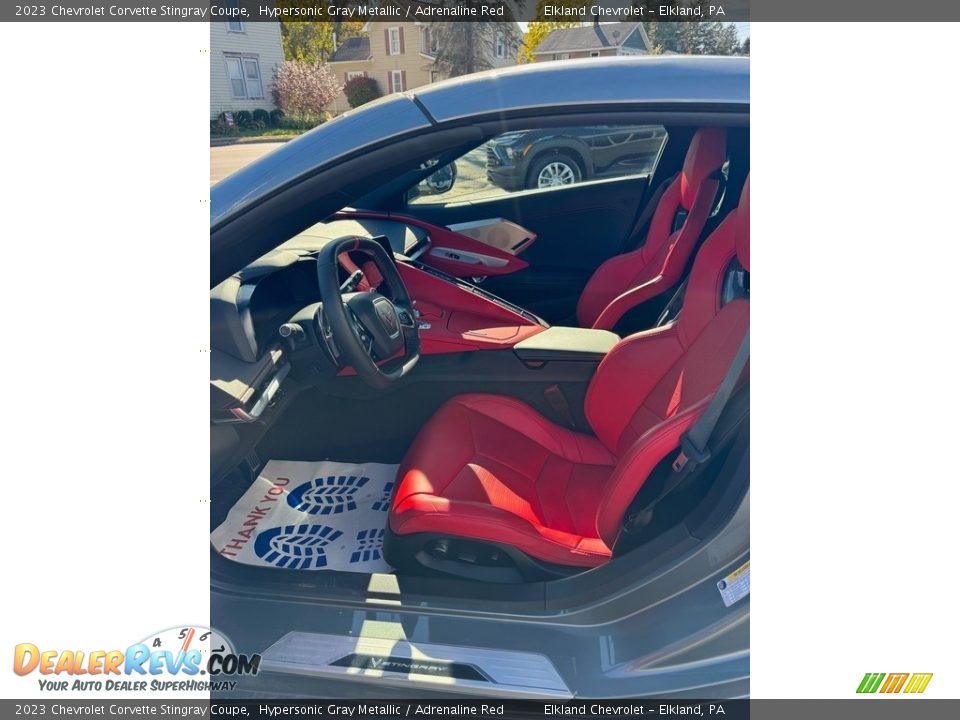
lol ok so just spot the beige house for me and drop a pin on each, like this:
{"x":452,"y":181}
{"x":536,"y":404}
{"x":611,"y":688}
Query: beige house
{"x":598,"y":40}
{"x":400,"y":56}
{"x":243,"y":56}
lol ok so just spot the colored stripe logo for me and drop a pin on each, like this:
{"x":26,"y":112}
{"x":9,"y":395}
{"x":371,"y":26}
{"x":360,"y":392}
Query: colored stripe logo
{"x":894,"y":683}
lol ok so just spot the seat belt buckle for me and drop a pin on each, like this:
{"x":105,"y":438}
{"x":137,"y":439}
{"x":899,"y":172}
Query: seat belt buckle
{"x":637,"y":521}
{"x":690,"y":453}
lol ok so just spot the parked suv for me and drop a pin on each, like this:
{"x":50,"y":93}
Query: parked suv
{"x":563,"y":156}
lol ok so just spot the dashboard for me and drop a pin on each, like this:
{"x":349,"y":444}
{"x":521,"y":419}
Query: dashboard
{"x":248,"y":357}
{"x":247,"y":308}
{"x":405,"y":239}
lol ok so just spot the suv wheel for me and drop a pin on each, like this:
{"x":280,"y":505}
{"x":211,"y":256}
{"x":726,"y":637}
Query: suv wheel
{"x":553,"y":171}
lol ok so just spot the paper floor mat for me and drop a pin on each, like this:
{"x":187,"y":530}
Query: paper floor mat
{"x":311,"y":516}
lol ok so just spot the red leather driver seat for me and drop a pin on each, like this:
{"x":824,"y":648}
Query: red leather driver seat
{"x":490,"y":468}
{"x":627,"y":280}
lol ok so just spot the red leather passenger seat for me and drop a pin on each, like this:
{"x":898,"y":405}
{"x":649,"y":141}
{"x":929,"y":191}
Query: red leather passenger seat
{"x":627,"y":280}
{"x":490,"y":468}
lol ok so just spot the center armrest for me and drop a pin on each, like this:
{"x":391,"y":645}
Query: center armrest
{"x":567,"y":343}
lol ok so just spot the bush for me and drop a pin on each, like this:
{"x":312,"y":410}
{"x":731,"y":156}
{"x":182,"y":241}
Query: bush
{"x":360,"y":90}
{"x":243,"y":118}
{"x":276,"y":117}
{"x":261,"y":117}
{"x":304,"y":89}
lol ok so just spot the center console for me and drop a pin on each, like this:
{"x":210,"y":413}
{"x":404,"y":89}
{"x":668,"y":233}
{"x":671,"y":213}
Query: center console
{"x":566,"y":344}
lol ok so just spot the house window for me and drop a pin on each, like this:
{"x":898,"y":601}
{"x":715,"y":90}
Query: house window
{"x":243,"y":72}
{"x":396,"y":80}
{"x":595,"y":53}
{"x":434,"y":76}
{"x":562,"y":56}
{"x":394,"y":41}
{"x":501,"y":44}
{"x":234,"y":26}
{"x":355,"y":74}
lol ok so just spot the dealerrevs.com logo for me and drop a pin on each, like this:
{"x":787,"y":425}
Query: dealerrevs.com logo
{"x":187,"y":658}
{"x":910,"y":683}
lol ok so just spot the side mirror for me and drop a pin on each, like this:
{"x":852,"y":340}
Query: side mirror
{"x":442,"y":180}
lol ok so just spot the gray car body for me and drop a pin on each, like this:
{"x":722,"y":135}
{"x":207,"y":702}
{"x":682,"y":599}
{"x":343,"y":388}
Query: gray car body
{"x":663,"y":630}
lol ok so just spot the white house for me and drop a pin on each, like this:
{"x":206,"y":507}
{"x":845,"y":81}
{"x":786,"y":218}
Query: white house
{"x":243,"y":56}
{"x":596,"y":40}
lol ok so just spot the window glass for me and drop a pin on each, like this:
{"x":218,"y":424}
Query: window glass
{"x":233,"y":25}
{"x":548,"y":159}
{"x":254,"y":87}
{"x":237,"y":87}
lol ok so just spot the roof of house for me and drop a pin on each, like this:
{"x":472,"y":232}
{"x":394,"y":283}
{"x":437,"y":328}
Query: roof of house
{"x":588,"y":37}
{"x":352,"y":49}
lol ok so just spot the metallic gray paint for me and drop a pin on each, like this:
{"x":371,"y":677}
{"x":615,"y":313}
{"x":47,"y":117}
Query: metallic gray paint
{"x":351,"y":132}
{"x":608,"y":82}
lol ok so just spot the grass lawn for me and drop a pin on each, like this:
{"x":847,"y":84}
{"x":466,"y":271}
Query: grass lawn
{"x":264,"y":132}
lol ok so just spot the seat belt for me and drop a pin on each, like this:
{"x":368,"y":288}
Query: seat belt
{"x":632,"y":242}
{"x":695,"y":443}
{"x":672,"y":309}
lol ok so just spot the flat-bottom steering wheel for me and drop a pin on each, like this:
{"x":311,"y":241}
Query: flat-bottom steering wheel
{"x":375,"y":335}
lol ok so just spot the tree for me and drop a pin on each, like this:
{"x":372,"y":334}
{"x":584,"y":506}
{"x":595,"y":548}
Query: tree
{"x":693,"y":38}
{"x":361,"y":90}
{"x":745,"y":47}
{"x":464,"y":47}
{"x":538,"y":30}
{"x":313,"y":41}
{"x":536,"y":33}
{"x":302,"y":90}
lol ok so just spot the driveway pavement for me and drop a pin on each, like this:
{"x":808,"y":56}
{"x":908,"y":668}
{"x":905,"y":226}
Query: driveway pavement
{"x":471,"y":181}
{"x":471,"y":184}
{"x":227,"y":159}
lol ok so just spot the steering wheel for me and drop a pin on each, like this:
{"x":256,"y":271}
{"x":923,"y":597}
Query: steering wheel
{"x":375,"y":335}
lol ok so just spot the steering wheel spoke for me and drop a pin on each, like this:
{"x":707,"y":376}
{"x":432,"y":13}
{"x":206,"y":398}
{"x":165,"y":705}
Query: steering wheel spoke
{"x":363,"y":335}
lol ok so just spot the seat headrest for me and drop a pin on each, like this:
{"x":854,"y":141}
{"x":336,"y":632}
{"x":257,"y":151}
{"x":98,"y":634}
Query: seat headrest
{"x":706,"y":155}
{"x":741,"y":228}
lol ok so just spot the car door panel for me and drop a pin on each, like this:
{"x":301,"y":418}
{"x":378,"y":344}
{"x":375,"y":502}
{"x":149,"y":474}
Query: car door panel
{"x":463,"y":256}
{"x":451,"y":252}
{"x":577,"y":228}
